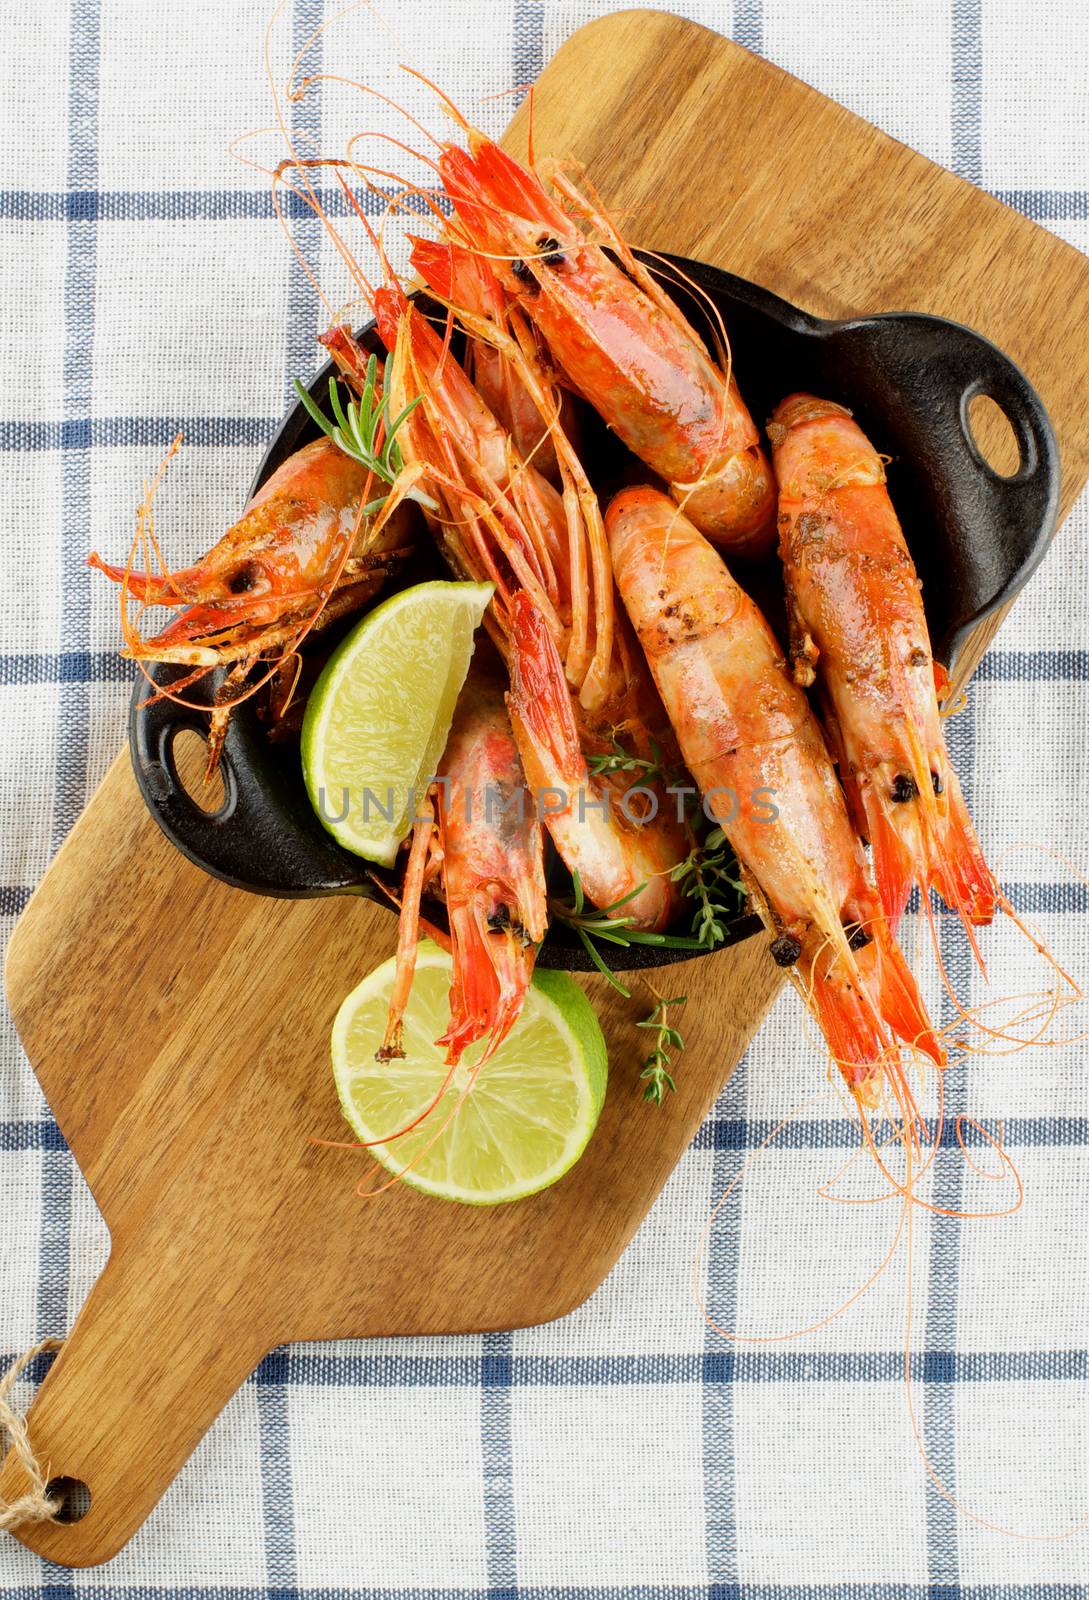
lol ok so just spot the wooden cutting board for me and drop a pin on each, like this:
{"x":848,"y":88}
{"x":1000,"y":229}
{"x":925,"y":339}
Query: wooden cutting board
{"x":180,"y":1028}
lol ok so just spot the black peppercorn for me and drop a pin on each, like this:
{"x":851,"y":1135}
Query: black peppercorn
{"x":785,"y":950}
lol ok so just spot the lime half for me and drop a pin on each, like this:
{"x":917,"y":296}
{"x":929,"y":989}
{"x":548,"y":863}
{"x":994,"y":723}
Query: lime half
{"x":378,"y":718}
{"x":528,"y":1115}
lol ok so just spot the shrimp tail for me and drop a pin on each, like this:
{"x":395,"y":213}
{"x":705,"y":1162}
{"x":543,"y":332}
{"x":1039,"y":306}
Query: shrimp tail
{"x":851,"y":1027}
{"x":898,"y":996}
{"x":959,"y":872}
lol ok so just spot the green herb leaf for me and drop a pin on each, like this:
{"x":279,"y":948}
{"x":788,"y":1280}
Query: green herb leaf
{"x":599,"y":962}
{"x":601,"y":925}
{"x":362,"y":428}
{"x":656,"y":1076}
{"x":618,"y":759}
{"x":707,"y":877}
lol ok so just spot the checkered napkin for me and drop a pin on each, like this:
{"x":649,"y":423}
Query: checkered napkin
{"x":627,"y":1450}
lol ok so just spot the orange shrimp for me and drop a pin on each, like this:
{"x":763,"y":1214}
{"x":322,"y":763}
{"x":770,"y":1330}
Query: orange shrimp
{"x":491,"y":533}
{"x":619,"y":340}
{"x":483,"y":842}
{"x":754,"y":748}
{"x":300,"y":555}
{"x":459,"y":277}
{"x":857,"y":623}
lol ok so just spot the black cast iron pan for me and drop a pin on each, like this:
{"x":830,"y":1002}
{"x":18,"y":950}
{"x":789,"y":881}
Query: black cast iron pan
{"x":909,"y":379}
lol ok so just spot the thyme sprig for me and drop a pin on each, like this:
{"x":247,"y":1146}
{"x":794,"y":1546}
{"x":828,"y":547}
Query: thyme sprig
{"x":656,"y":1074}
{"x":618,"y":759}
{"x":592,"y":924}
{"x":363,"y":429}
{"x":706,"y":877}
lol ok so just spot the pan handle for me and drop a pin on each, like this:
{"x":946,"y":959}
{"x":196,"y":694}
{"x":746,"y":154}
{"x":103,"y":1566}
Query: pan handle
{"x":995,"y":529}
{"x":265,"y":836}
{"x":991,"y":373}
{"x":1014,"y":515}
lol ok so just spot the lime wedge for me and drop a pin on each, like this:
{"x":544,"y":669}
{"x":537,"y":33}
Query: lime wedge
{"x":377,"y":720}
{"x":526,"y":1119}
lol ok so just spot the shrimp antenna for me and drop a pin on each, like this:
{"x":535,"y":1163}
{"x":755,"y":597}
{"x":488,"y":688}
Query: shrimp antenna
{"x":703,"y":1245}
{"x":459,"y":117}
{"x":377,"y":94}
{"x":389,"y":138}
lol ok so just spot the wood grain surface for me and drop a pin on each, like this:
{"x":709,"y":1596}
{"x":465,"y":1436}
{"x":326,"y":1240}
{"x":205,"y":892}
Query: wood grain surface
{"x":180,"y":1028}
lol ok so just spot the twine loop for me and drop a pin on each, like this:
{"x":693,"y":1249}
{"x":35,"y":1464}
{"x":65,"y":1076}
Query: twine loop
{"x":36,"y":1505}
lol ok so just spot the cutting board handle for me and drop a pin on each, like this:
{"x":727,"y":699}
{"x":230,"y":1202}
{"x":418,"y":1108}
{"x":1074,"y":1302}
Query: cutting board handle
{"x":146,"y":1370}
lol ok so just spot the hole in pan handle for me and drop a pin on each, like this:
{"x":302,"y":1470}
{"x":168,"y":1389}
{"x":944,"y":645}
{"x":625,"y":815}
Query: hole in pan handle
{"x":987,"y":371}
{"x":1020,"y":508}
{"x":264,"y":837}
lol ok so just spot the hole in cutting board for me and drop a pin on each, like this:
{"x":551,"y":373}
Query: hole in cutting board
{"x":993,"y":435}
{"x":190,"y":754}
{"x":74,"y":1497}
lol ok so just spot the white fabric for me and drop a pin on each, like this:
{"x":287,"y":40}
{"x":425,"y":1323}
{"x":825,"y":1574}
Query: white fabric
{"x":626,"y":1449}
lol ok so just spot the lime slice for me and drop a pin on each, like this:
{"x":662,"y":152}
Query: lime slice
{"x":526,"y":1119}
{"x":377,"y":720}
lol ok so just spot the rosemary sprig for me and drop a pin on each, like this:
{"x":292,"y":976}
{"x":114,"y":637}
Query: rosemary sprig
{"x":706,"y":878}
{"x":656,"y":1074}
{"x":620,"y":760}
{"x":593,"y":924}
{"x":363,"y":429}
